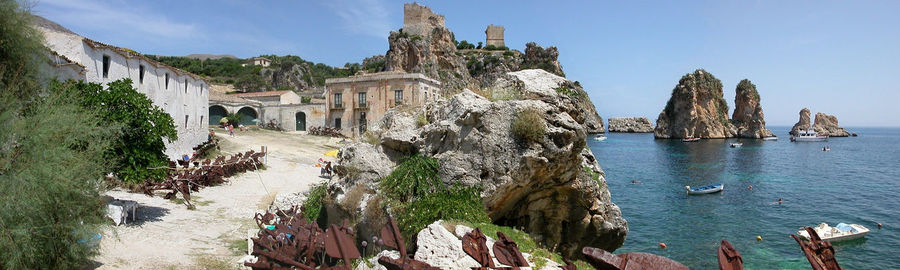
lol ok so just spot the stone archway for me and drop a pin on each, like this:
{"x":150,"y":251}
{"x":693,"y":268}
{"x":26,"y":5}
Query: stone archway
{"x":216,"y":113}
{"x":249,"y":115}
{"x":300,"y":118}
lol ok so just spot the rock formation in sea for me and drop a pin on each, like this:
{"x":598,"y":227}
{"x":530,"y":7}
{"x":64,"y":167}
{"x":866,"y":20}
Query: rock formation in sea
{"x":828,"y":125}
{"x":748,"y":115}
{"x":802,"y":124}
{"x":630,"y":124}
{"x":696,"y":109}
{"x":550,"y":184}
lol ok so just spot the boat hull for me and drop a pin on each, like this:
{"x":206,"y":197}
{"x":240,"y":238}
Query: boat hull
{"x":861,"y":232}
{"x":705,"y":189}
{"x":809,"y":139}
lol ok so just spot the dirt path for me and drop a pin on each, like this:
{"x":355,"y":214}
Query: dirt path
{"x":213,"y":236}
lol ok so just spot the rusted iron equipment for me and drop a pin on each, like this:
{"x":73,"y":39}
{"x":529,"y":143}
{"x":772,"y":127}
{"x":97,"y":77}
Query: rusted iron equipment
{"x":507,"y":251}
{"x":729,"y":257}
{"x":819,"y":253}
{"x":475,"y":244}
{"x":604,"y":260}
{"x":391,"y":237}
{"x":286,"y":240}
{"x":207,"y":174}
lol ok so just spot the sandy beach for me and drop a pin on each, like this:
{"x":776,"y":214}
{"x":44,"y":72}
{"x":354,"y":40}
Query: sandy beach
{"x":168,"y":235}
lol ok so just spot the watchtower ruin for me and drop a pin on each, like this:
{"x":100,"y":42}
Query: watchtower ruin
{"x":419,"y":20}
{"x":494,"y":35}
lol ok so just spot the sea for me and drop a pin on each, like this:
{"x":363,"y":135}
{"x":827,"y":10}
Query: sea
{"x":857,"y":181}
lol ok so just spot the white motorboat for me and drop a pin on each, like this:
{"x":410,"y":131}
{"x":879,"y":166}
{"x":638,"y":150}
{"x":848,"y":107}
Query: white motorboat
{"x":841,"y":232}
{"x":690,"y":139}
{"x":737,"y":144}
{"x":808,"y":136}
{"x":600,"y":138}
{"x":705,"y":189}
{"x":773,"y":138}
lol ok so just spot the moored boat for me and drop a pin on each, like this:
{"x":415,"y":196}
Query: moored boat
{"x":600,"y":138}
{"x":705,"y":189}
{"x":737,"y":144}
{"x":773,"y":138}
{"x":840,"y":232}
{"x":690,"y":139}
{"x":808,"y":136}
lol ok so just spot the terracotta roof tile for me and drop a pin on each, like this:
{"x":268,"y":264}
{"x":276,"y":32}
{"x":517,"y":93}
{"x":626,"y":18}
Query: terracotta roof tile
{"x":262,"y":94}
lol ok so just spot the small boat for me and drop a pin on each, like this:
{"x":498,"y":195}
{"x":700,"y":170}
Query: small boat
{"x":841,"y":232}
{"x":729,"y":257}
{"x":600,"y":138}
{"x":737,"y":144}
{"x":773,"y":138}
{"x":705,"y":189}
{"x":808,"y":136}
{"x":826,"y":148}
{"x":690,"y":139}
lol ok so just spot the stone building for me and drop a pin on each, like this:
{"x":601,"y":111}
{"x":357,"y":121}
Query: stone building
{"x":353,"y":102}
{"x":420,"y":20}
{"x":494,"y":36}
{"x":182,"y":95}
{"x":284,"y":108}
{"x":257,"y":61}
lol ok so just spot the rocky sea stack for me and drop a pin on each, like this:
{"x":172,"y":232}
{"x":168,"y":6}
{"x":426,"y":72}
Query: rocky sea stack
{"x":748,"y":115}
{"x":802,"y":124}
{"x":697,"y":109}
{"x":828,"y":125}
{"x":630,"y":125}
{"x":527,"y":156}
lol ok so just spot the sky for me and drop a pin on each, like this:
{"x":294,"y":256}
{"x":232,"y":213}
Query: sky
{"x":837,"y":57}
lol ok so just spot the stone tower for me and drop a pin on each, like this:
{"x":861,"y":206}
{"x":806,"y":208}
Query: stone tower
{"x":494,"y":35}
{"x":419,"y":20}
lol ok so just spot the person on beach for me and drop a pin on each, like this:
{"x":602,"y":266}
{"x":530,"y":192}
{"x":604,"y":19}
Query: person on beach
{"x":328,"y":170}
{"x":231,"y":130}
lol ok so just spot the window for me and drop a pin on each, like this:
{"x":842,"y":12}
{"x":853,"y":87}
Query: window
{"x":426,"y":95}
{"x":362,"y":122}
{"x":337,"y":123}
{"x":185,"y":121}
{"x":338,"y":103}
{"x":167,"y":80}
{"x":105,"y":66}
{"x":398,"y":96}
{"x":141,"y":74}
{"x":362,"y":99}
{"x":185,"y":86}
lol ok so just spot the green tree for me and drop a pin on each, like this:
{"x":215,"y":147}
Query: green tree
{"x":465,"y":45}
{"x":51,"y":161}
{"x":138,"y":152}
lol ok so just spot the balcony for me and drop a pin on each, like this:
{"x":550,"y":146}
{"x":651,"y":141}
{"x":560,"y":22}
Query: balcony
{"x":363,"y":106}
{"x":337,"y":106}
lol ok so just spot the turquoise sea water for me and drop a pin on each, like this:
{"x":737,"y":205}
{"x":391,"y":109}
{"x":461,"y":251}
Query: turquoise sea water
{"x":858,"y":181}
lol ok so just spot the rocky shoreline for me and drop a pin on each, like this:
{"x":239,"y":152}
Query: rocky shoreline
{"x":630,"y":125}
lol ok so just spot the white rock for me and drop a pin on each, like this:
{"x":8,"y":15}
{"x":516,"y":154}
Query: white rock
{"x":440,"y":248}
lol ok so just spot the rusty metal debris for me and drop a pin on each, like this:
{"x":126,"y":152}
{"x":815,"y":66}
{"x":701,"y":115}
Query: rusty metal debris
{"x":507,"y":251}
{"x":604,"y":260}
{"x":391,"y":237}
{"x":207,"y":174}
{"x":729,"y":257}
{"x":820,"y":253}
{"x":475,"y":244}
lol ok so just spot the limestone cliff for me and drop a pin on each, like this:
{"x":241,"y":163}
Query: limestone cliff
{"x":748,"y":116}
{"x":433,"y":55}
{"x":828,"y":125}
{"x":696,"y":109}
{"x":802,"y":124}
{"x":551,"y":186}
{"x":508,"y":86}
{"x":546,"y":59}
{"x":630,"y":125}
{"x":287,"y":75}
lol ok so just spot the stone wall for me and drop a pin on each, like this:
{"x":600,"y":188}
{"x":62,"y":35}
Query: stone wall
{"x":494,"y":35}
{"x":419,"y":20}
{"x":630,"y":125}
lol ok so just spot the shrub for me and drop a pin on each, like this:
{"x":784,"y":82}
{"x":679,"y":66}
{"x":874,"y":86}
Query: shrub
{"x":415,"y":176}
{"x":529,"y":125}
{"x":312,"y":206}
{"x":421,"y":120}
{"x":305,"y":100}
{"x":465,"y":45}
{"x":234,"y":118}
{"x":455,"y":203}
{"x":569,"y":91}
{"x":508,"y":53}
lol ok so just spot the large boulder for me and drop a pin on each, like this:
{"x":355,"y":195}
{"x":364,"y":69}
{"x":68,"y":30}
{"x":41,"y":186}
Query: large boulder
{"x":551,"y":186}
{"x":828,"y":125}
{"x":802,"y":124}
{"x":697,"y":109}
{"x":748,"y":116}
{"x":630,"y":124}
{"x":546,"y":83}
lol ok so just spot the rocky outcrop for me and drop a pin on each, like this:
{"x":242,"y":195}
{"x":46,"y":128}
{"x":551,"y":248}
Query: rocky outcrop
{"x":486,"y":66}
{"x":696,"y":109}
{"x":551,"y":186}
{"x":630,"y":125}
{"x":748,"y":116}
{"x":540,"y":58}
{"x":802,"y":124}
{"x":828,"y":125}
{"x":433,"y":55}
{"x":507,"y":87}
{"x":287,"y":75}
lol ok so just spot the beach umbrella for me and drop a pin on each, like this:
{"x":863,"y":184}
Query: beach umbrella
{"x":223,"y":120}
{"x":332,"y":153}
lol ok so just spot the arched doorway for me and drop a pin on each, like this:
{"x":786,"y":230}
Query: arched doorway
{"x":300,"y":117}
{"x":216,"y":113}
{"x":249,"y":115}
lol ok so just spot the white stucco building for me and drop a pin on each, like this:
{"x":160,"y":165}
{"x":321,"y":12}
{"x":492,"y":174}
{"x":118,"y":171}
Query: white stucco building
{"x":182,"y":95}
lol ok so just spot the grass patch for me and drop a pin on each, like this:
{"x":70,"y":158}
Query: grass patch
{"x":237,"y":246}
{"x":421,"y":120}
{"x":312,"y":206}
{"x":208,"y":262}
{"x":529,"y":125}
{"x":594,"y":175}
{"x":523,"y":240}
{"x":415,"y":176}
{"x":569,"y":91}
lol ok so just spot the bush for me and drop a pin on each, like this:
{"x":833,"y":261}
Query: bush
{"x":415,"y":176}
{"x":234,"y":119}
{"x":465,"y":45}
{"x":529,"y":125}
{"x":138,"y":152}
{"x":496,"y":48}
{"x":569,"y":91}
{"x":312,"y":206}
{"x":305,"y":100}
{"x":455,"y":203}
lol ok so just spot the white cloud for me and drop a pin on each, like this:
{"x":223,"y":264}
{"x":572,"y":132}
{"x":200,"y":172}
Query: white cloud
{"x":367,"y":17}
{"x":125,"y":18}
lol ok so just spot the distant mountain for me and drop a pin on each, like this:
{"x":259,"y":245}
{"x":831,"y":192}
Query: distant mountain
{"x":201,"y":56}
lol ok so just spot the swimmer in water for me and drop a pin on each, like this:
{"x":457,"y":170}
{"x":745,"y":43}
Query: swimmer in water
{"x":636,"y":182}
{"x":779,"y":201}
{"x":750,"y":187}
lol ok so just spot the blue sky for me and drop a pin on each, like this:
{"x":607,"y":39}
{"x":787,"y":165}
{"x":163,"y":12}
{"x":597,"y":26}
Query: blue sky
{"x":837,"y":57}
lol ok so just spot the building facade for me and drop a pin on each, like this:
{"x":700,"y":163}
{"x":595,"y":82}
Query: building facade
{"x":182,"y":95}
{"x":494,"y":36}
{"x":258,"y":61}
{"x":353,"y":102}
{"x":284,"y":108}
